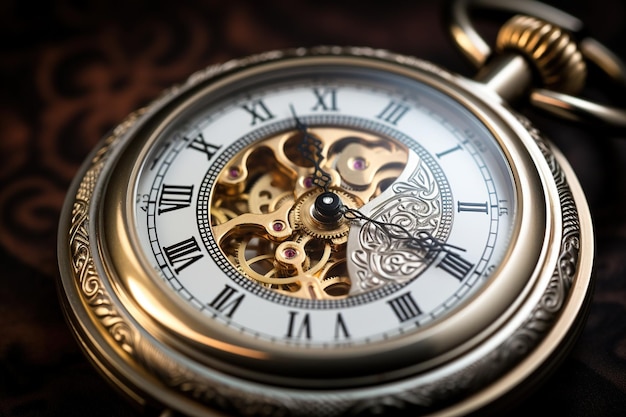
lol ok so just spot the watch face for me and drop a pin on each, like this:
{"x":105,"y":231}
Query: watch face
{"x":333,"y":229}
{"x":228,"y":194}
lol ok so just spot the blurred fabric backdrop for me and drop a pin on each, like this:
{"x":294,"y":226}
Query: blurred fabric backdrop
{"x":70,"y":70}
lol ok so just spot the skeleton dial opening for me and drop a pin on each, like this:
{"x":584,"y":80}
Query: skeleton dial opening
{"x":248,"y":196}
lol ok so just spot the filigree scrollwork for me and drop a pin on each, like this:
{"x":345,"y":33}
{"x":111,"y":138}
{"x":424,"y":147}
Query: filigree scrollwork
{"x":416,"y":206}
{"x":87,"y":279}
{"x":429,"y":397}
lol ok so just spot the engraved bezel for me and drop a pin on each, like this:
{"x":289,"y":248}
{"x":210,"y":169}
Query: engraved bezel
{"x":153,"y":345}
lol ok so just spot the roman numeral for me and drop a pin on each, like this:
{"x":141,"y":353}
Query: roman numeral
{"x":405,"y":307}
{"x":200,"y":144}
{"x":299,"y":327}
{"x":472,"y":207}
{"x":341,"y":331}
{"x":227,"y":301}
{"x":174,"y":197}
{"x":393,"y":112}
{"x":183,"y":254}
{"x":455,"y":265}
{"x":326,"y":99}
{"x":259,"y":111}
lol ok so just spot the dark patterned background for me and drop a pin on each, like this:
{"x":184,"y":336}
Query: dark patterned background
{"x":70,"y":70}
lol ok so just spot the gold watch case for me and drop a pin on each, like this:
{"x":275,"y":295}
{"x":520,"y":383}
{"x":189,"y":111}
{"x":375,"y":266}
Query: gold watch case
{"x":164,"y":354}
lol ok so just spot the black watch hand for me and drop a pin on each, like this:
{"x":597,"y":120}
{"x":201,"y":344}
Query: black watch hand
{"x":311,"y":149}
{"x":421,"y":240}
{"x":329,"y":208}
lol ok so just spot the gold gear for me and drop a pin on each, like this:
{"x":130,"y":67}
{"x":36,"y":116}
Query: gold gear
{"x":225,"y":209}
{"x":295,"y":274}
{"x":262,"y":267}
{"x":262,"y":209}
{"x":301,"y":217}
{"x":336,"y":286}
{"x":266,"y":193}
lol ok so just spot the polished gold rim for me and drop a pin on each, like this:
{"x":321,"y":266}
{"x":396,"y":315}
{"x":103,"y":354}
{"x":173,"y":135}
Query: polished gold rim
{"x":147,"y":331}
{"x":168,"y":316}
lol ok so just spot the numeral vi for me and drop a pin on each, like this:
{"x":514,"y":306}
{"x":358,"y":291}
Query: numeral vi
{"x":299,"y":327}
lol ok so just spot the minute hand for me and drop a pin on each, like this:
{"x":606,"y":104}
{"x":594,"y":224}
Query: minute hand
{"x":311,"y":149}
{"x":422,"y":240}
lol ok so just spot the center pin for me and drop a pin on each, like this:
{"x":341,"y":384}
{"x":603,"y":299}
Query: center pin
{"x":327,"y":208}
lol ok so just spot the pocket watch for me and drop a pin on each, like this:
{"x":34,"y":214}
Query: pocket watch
{"x":339,"y":230}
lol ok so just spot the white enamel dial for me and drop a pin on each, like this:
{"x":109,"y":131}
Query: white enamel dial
{"x":225,"y":206}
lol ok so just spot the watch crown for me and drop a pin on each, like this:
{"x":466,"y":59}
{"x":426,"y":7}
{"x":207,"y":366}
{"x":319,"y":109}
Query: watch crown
{"x":551,"y":50}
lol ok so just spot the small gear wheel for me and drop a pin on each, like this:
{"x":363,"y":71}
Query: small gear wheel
{"x":301,"y":217}
{"x":337,"y":286}
{"x":255,"y":259}
{"x":261,"y":264}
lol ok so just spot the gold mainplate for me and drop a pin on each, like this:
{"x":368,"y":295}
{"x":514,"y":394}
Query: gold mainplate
{"x":263,"y":203}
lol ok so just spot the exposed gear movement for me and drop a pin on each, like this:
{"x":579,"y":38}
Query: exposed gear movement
{"x":265,"y":208}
